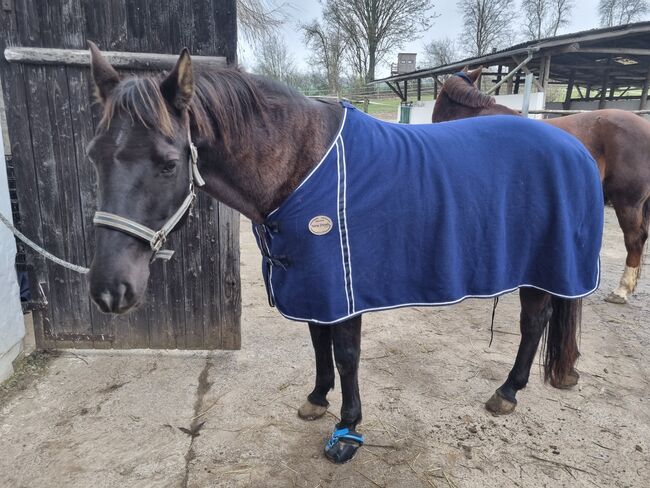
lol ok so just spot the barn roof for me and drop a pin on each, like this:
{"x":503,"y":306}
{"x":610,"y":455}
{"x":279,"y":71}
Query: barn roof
{"x":621,"y":53}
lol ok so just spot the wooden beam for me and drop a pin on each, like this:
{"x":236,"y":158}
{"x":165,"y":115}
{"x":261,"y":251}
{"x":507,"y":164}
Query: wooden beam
{"x":118,"y":59}
{"x":397,"y":90}
{"x":644,"y":92}
{"x":569,"y":91}
{"x":526,"y":71}
{"x":419,"y":89}
{"x":614,"y":50}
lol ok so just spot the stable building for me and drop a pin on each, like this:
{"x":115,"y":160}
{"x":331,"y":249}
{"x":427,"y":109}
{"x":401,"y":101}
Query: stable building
{"x":594,"y":69}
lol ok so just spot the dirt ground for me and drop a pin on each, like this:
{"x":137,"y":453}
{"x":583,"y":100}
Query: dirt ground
{"x":228,"y":419}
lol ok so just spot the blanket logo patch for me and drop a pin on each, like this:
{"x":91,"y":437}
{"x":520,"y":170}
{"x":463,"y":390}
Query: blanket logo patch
{"x":320,"y":225}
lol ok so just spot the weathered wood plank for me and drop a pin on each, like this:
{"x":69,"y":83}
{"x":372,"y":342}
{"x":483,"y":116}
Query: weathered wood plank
{"x":193,"y":300}
{"x":229,"y":279}
{"x":74,"y":314}
{"x":123,"y":60}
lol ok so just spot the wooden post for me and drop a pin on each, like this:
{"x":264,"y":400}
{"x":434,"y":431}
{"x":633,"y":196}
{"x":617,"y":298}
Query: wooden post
{"x":517,"y":82}
{"x":569,"y":91}
{"x":603,"y":91}
{"x":644,"y":92}
{"x":419,"y":89}
{"x":588,"y":93}
{"x":545,"y":72}
{"x":509,"y":83}
{"x":499,"y":73}
{"x":406,"y":87}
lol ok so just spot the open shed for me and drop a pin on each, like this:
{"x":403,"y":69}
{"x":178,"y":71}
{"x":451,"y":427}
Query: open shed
{"x":597,"y":66}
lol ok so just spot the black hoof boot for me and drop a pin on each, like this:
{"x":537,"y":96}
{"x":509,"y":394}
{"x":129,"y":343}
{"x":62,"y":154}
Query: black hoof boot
{"x":343,"y":445}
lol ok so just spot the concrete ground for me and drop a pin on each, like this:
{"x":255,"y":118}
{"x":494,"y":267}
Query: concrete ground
{"x":222,"y":419}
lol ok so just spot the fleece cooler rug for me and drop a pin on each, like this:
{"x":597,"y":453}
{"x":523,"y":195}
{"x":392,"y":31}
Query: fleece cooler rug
{"x":410,"y":215}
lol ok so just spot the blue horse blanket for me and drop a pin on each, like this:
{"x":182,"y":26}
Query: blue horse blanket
{"x":409,"y":215}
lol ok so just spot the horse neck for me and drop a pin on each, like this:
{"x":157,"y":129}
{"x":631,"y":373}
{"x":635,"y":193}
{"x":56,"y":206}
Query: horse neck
{"x":286,"y":142}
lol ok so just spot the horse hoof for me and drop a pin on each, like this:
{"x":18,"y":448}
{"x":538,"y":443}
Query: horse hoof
{"x":497,"y":405}
{"x":311,"y":411}
{"x":615,"y":298}
{"x":569,"y":381}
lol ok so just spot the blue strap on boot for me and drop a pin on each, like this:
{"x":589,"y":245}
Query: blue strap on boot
{"x":342,"y":452}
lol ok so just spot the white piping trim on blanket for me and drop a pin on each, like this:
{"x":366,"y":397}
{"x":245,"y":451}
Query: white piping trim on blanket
{"x":338,"y":221}
{"x":327,"y":153}
{"x":345,"y":219}
{"x":439,"y":304}
{"x":341,"y":219}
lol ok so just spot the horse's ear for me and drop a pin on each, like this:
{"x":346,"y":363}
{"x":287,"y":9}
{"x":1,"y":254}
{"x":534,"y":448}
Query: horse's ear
{"x":465,"y":69}
{"x":475,"y":74}
{"x":178,"y":86}
{"x":104,"y":75}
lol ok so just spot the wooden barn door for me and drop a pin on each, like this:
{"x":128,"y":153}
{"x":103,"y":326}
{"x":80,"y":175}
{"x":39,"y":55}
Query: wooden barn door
{"x":193,"y":301}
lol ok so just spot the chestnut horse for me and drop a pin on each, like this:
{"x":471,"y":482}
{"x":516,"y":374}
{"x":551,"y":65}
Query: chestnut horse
{"x":619,"y":141}
{"x":257,"y":143}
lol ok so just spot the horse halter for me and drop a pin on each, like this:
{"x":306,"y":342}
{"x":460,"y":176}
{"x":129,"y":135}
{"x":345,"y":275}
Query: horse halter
{"x":463,"y":75}
{"x":156,"y":239}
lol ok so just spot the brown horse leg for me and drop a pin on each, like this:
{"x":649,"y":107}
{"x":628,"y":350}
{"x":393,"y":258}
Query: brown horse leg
{"x":634,"y":223}
{"x":316,"y":404}
{"x":535,"y":314}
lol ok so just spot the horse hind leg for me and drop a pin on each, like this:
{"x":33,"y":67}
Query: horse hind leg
{"x":535,"y":314}
{"x":634,"y":222}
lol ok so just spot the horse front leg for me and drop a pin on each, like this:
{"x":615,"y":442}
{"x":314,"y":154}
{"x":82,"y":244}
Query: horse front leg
{"x":633,"y":220}
{"x":535,"y":314}
{"x":316,"y":404}
{"x":345,"y":440}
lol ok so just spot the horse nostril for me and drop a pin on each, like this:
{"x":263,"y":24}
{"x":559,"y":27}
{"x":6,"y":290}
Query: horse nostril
{"x":105,"y":301}
{"x":116,"y":300}
{"x":123,"y":298}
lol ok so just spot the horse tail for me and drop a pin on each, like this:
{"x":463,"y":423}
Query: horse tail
{"x":562,"y":340}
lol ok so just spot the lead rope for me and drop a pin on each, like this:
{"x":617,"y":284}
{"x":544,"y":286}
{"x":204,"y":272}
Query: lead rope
{"x":494,"y":310}
{"x":40,"y":250}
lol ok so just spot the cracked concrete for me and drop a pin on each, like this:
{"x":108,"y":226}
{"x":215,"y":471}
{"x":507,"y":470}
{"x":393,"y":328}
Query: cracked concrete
{"x":228,"y":419}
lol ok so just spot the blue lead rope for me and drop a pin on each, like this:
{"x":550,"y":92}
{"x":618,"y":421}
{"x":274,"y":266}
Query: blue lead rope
{"x":345,"y":434}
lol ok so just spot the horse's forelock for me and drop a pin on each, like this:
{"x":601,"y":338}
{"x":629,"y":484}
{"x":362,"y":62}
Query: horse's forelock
{"x":223,"y":106}
{"x":461,"y":92}
{"x":143,"y":101}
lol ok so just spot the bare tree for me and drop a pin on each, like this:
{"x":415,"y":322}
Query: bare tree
{"x":489,"y":22}
{"x":543,"y":18}
{"x":619,"y":12}
{"x":274,"y":60}
{"x":258,"y":19}
{"x":375,"y":28}
{"x":327,"y":45}
{"x":440,"y":52}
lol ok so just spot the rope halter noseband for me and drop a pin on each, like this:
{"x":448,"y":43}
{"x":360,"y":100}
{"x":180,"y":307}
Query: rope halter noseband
{"x":156,"y":239}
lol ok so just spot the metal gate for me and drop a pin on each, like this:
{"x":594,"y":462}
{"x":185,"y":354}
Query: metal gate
{"x":194,"y":301}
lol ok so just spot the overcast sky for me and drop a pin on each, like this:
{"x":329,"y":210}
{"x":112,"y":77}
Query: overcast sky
{"x":448,"y":24}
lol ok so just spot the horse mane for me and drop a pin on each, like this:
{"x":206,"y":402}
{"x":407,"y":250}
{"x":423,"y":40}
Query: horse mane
{"x":461,"y":92}
{"x":223,"y":107}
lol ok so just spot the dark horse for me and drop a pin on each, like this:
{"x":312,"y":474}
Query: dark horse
{"x":619,"y":141}
{"x":257,"y":141}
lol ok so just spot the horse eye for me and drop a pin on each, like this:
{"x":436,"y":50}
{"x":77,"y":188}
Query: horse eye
{"x":169,"y":166}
